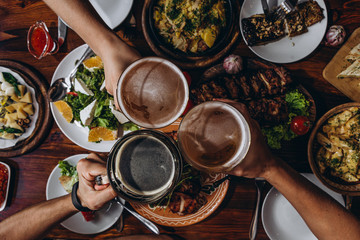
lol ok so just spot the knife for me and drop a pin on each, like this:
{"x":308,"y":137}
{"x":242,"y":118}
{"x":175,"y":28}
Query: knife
{"x":265,"y":7}
{"x":62,"y":29}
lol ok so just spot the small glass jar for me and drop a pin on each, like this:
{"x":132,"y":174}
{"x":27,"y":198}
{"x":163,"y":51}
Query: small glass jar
{"x":39,"y":41}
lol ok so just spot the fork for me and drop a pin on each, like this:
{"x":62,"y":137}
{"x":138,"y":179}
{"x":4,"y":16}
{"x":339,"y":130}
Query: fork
{"x":260,"y":184}
{"x":284,"y":9}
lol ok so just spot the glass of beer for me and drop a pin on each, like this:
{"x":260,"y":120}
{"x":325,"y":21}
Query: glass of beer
{"x":214,"y":137}
{"x":144,"y":166}
{"x":152,"y":92}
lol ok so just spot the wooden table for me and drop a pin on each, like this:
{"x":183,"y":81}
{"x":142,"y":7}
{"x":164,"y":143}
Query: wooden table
{"x":232,"y":219}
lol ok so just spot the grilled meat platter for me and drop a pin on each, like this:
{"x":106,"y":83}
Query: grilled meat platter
{"x":261,"y":87}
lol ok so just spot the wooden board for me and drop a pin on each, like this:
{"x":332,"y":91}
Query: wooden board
{"x":44,"y":120}
{"x":190,"y":62}
{"x":348,"y":86}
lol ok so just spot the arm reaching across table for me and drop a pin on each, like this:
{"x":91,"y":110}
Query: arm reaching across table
{"x":326,"y":218}
{"x":85,"y":21}
{"x":35,"y":221}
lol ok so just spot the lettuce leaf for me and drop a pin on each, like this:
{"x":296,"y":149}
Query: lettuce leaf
{"x":67,"y":169}
{"x":297,"y":106}
{"x":297,"y":103}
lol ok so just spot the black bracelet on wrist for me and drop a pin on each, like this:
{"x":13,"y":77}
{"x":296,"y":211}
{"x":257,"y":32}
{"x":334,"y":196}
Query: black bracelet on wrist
{"x":75,"y":199}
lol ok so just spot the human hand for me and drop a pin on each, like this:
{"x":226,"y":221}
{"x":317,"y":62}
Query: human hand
{"x":91,"y":195}
{"x":259,"y":156}
{"x":116,"y":56}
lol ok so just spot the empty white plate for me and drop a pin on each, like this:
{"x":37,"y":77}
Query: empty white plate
{"x":113,"y":12}
{"x":280,"y":219}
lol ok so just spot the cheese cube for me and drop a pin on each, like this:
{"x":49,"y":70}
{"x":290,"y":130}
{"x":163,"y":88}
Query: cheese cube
{"x":102,"y":88}
{"x":29,"y":109}
{"x":21,"y":114}
{"x":80,"y":86}
{"x":119,"y":115}
{"x":22,"y":90}
{"x":87,"y":114}
{"x":26,"y":98}
{"x":2,"y":79}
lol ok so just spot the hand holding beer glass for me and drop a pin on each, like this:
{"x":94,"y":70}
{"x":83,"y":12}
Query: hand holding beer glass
{"x":220,"y":136}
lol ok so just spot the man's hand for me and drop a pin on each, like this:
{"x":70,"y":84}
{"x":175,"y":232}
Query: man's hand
{"x":259,"y":156}
{"x":91,"y":195}
{"x":117,"y":56}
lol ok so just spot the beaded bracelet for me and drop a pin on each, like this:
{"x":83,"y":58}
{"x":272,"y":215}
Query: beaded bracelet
{"x":75,"y":200}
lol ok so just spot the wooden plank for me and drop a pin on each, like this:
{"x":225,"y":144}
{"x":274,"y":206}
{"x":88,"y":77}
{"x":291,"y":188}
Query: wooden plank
{"x":349,"y":86}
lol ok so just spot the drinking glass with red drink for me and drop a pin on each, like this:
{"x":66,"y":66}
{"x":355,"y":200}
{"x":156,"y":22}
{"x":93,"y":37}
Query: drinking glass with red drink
{"x":39,"y":41}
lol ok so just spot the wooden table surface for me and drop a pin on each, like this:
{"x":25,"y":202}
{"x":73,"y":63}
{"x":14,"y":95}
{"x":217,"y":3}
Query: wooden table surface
{"x":232,"y":219}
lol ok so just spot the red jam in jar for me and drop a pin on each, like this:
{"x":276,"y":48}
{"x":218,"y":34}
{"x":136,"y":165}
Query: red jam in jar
{"x":39,"y":41}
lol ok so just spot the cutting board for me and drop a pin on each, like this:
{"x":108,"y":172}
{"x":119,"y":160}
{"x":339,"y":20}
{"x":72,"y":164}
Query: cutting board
{"x":348,"y":86}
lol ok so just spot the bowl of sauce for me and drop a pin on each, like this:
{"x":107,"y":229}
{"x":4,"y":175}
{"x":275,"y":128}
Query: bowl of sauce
{"x":144,"y":166}
{"x":4,"y":184}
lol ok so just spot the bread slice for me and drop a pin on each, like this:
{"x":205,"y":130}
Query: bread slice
{"x":295,"y":24}
{"x":353,"y":54}
{"x":352,"y":71}
{"x":259,"y":30}
{"x":311,"y":12}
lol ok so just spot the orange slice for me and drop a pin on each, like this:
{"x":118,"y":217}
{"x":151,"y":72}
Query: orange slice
{"x":65,"y":110}
{"x":93,"y":62}
{"x":100,"y":133}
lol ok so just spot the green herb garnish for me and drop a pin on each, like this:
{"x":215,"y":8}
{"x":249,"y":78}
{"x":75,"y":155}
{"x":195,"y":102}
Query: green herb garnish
{"x":12,"y":80}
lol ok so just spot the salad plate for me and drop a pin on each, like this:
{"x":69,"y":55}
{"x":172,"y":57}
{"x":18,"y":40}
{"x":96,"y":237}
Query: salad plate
{"x":280,"y":219}
{"x":104,"y":218}
{"x":286,"y":50}
{"x":76,"y":133}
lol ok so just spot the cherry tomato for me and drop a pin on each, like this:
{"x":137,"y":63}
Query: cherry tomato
{"x":88,"y":216}
{"x":73,"y":93}
{"x":188,"y":77}
{"x":300,"y":125}
{"x":189,"y":106}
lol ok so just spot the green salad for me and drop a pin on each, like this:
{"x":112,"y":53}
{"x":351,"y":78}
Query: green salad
{"x":297,"y":106}
{"x":102,"y":116}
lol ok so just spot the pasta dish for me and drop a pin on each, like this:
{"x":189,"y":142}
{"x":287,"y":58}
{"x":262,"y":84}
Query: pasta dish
{"x":339,"y":154}
{"x":189,"y":25}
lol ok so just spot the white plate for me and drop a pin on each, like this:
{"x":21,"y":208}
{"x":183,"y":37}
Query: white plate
{"x":3,"y":205}
{"x":77,"y":134}
{"x":280,"y":219}
{"x":112,"y":12}
{"x":104,"y":218}
{"x":7,"y":143}
{"x":286,"y":50}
